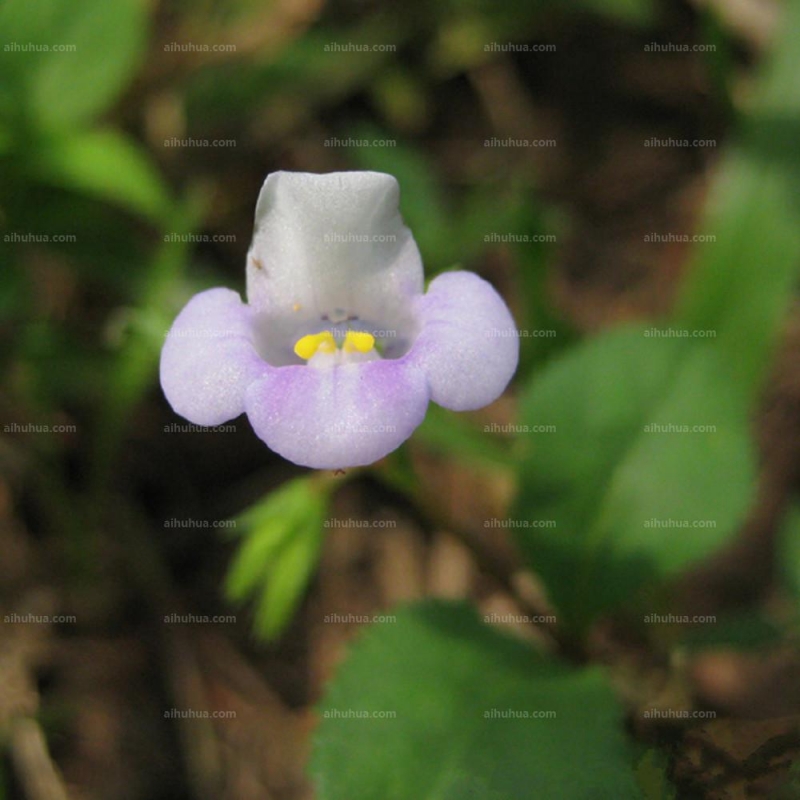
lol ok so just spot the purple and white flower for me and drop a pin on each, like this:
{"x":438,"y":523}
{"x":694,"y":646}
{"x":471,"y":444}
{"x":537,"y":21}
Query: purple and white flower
{"x":339,"y":349}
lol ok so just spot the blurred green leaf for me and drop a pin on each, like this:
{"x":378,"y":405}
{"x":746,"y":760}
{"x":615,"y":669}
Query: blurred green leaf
{"x":748,"y":630}
{"x":62,"y":63}
{"x":617,"y":457}
{"x":790,"y":789}
{"x":281,"y":541}
{"x":59,"y":366}
{"x":288,"y":576}
{"x":135,"y":366}
{"x":742,"y":282}
{"x":537,"y":312}
{"x":14,"y":294}
{"x":416,"y":712}
{"x":788,"y":552}
{"x":651,"y":773}
{"x":447,"y":233}
{"x":265,"y":527}
{"x":720,"y":58}
{"x":401,"y":97}
{"x":445,"y":432}
{"x":637,"y":12}
{"x":599,"y":478}
{"x":470,"y":19}
{"x":109,"y":166}
{"x":309,"y":66}
{"x":100,"y":234}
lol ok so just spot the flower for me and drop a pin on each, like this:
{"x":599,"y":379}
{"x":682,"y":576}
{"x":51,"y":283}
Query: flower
{"x":338,"y":350}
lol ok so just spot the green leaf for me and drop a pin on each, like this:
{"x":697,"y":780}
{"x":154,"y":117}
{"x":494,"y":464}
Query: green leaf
{"x":790,"y":789}
{"x":282,"y":537}
{"x":651,"y":772}
{"x":445,"y":432}
{"x":617,"y":458}
{"x":600,"y":478}
{"x":307,"y":67}
{"x":742,"y":282}
{"x":554,"y":333}
{"x":135,"y":367}
{"x":252,"y":560}
{"x":433,"y":707}
{"x":14,"y":293}
{"x":287,"y":576}
{"x":62,"y":63}
{"x":788,"y":555}
{"x":749,"y":630}
{"x":266,"y":527}
{"x":634,"y":12}
{"x":107,"y":165}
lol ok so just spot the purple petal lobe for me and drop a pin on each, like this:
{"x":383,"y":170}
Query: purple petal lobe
{"x":468,"y":344}
{"x":344,"y":416}
{"x":208,"y":359}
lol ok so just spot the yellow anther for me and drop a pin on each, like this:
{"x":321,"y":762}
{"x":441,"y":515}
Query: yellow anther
{"x":358,"y":341}
{"x":313,"y":343}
